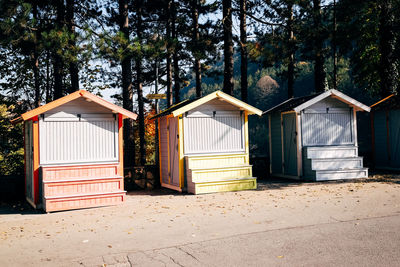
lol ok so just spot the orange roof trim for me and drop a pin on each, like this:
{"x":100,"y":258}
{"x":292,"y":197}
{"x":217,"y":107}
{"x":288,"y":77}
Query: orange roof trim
{"x":81,"y":93}
{"x":382,"y":100}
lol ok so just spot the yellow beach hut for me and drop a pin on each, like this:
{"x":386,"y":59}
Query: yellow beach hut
{"x":204,"y":145}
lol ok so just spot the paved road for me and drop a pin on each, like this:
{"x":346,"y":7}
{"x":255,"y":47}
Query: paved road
{"x":353,"y":223}
{"x":365,"y":242}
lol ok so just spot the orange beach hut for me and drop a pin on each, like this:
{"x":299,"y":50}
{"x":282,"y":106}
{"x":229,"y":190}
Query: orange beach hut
{"x":73,"y":153}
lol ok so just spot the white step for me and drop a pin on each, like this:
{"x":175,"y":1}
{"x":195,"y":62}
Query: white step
{"x":336,"y":163}
{"x":341,"y":174}
{"x":326,"y":152}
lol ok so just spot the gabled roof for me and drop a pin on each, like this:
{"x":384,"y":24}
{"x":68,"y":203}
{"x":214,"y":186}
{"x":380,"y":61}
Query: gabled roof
{"x":187,"y":105}
{"x":390,"y":102}
{"x":68,"y":98}
{"x":300,"y":103}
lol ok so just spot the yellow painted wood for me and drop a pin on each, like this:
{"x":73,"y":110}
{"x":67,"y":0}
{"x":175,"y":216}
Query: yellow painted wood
{"x":181,"y":156}
{"x":218,"y":94}
{"x":219,"y":174}
{"x":246,"y":135}
{"x":224,"y":186}
{"x":203,"y":162}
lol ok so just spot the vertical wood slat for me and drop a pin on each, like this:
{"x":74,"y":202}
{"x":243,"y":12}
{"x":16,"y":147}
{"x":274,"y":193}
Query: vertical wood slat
{"x":327,"y":129}
{"x":78,"y":141}
{"x":207,"y":134}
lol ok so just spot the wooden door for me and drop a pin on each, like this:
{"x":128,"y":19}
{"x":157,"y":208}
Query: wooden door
{"x":289,"y":144}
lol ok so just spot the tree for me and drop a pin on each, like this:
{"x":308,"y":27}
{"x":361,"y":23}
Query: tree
{"x":126,"y":75}
{"x":243,"y":50}
{"x":139,"y":85}
{"x":228,"y":46}
{"x":319,"y":72}
{"x":195,"y":45}
{"x":73,"y":65}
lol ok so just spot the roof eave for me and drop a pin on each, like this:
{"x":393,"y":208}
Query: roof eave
{"x":358,"y":106}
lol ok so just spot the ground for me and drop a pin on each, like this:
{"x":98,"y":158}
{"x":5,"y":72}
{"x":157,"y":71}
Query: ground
{"x":347,"y":223}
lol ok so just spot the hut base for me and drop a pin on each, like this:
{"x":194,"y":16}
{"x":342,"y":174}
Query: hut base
{"x":333,"y":163}
{"x":76,"y":187}
{"x":211,"y":174}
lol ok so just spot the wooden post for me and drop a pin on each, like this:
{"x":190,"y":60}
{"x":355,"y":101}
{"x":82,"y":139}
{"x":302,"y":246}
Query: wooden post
{"x":35,"y":183}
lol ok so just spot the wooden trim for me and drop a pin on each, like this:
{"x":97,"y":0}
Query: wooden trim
{"x":180,"y":149}
{"x":289,"y":112}
{"x":373,"y":137}
{"x":355,"y":142}
{"x":159,"y":148}
{"x":299,"y":146}
{"x":35,"y":184}
{"x":173,"y":187}
{"x":246,"y":136}
{"x":81,"y":93}
{"x":388,"y":135}
{"x":382,"y":100}
{"x":270,"y":143}
{"x":218,"y":94}
{"x":120,"y":145}
{"x":282,"y":145}
{"x":25,"y":162}
{"x":335,"y":94}
{"x":169,"y":171}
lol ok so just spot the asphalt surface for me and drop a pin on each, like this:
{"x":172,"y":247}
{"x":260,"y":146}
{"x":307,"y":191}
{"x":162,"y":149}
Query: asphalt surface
{"x":352,"y":223}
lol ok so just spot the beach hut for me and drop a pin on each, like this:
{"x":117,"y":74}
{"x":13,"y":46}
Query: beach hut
{"x":204,"y":145}
{"x":315,"y":137}
{"x":73,"y":153}
{"x":385,"y":124}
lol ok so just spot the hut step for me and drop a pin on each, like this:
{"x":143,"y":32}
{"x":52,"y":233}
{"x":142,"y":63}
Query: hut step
{"x":82,"y":179}
{"x":238,"y":184}
{"x":326,"y":152}
{"x":219,"y":174}
{"x":336,"y":163}
{"x":83,"y":201}
{"x":85,"y":195}
{"x":324,"y":175}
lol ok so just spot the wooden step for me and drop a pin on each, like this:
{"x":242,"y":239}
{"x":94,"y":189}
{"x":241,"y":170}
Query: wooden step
{"x":325,"y":175}
{"x":222,"y":186}
{"x":83,"y":201}
{"x":326,"y":152}
{"x":217,"y":161}
{"x":219,"y":174}
{"x":336,"y":163}
{"x":82,"y":186}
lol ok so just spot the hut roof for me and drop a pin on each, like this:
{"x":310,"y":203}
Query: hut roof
{"x":390,"y":102}
{"x":68,"y":98}
{"x":187,"y":105}
{"x":299,"y":103}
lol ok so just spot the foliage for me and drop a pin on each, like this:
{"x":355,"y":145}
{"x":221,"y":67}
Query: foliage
{"x":11,"y":140}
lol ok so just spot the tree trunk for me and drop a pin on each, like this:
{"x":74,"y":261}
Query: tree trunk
{"x":139,"y":86}
{"x":58,"y":62}
{"x":35,"y":57}
{"x":228,"y":46}
{"x":169,"y":53}
{"x":177,"y":81}
{"x":243,"y":51}
{"x":73,"y":65}
{"x":291,"y":50}
{"x":334,"y":47}
{"x":387,"y":44}
{"x":319,"y":72}
{"x":127,"y":90}
{"x":196,"y":37}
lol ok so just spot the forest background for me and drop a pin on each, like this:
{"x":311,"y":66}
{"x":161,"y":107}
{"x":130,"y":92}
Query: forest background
{"x":261,"y":51}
